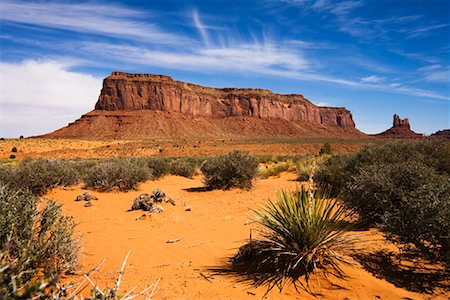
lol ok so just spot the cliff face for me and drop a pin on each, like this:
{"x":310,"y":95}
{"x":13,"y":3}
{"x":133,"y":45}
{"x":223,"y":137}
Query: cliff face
{"x":123,"y":91}
{"x":155,"y":106}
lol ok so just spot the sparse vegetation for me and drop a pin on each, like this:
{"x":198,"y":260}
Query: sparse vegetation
{"x":12,"y":156}
{"x":123,"y":174}
{"x":35,"y":239}
{"x":301,"y":232}
{"x":326,"y":149}
{"x":14,"y":149}
{"x":275,"y":169}
{"x":236,"y":169}
{"x":38,"y":175}
{"x":404,"y":187}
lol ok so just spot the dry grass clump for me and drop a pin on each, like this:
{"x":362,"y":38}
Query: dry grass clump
{"x":301,"y":232}
{"x":35,"y":240}
{"x":235,"y":169}
{"x":275,"y":169}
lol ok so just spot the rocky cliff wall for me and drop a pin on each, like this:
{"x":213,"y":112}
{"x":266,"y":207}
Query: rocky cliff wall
{"x":124,"y":91}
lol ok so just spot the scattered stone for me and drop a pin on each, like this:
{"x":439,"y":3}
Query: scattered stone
{"x":159,"y":196}
{"x":88,"y":204}
{"x":187,"y":208}
{"x":173,"y":241}
{"x":142,"y":217}
{"x":143,"y":201}
{"x":147,"y":203}
{"x":86,"y":196}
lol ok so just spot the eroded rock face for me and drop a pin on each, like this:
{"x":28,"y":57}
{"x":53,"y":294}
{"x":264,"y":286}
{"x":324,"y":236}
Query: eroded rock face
{"x":123,"y":91}
{"x":400,"y":123}
{"x":141,"y":106}
{"x":400,"y":130}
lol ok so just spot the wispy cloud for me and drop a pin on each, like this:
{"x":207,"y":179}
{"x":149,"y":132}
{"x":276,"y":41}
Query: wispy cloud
{"x":372,"y":79}
{"x":265,"y":59}
{"x":202,"y":29}
{"x":423,"y":30}
{"x":110,"y":20}
{"x":439,"y":76}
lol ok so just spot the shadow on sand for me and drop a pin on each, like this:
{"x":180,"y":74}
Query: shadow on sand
{"x":405,"y":271}
{"x":197,"y":189}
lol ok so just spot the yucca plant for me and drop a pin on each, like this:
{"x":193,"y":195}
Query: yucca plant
{"x":302,"y":232}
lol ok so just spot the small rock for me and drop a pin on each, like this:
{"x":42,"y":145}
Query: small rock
{"x":187,"y":208}
{"x":86,"y":196}
{"x":88,"y":204}
{"x":170,"y":200}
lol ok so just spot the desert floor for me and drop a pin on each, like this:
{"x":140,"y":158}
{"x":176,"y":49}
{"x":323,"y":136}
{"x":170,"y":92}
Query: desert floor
{"x":209,"y":234}
{"x":70,"y":148}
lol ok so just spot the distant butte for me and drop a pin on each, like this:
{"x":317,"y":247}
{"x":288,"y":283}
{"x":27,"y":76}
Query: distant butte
{"x":134,"y":106}
{"x":400,"y":130}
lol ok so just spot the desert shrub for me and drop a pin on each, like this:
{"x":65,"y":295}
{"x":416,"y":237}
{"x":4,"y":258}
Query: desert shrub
{"x":276,"y":169}
{"x":21,"y":137}
{"x":401,"y":186}
{"x":39,"y":175}
{"x":158,"y":166}
{"x":14,"y":149}
{"x":12,"y":156}
{"x":325,"y":149}
{"x":301,"y":232}
{"x":236,"y":169}
{"x":83,"y":167}
{"x":124,"y":174}
{"x":411,"y":201}
{"x":183,"y":167}
{"x":35,"y":239}
{"x":335,"y":172}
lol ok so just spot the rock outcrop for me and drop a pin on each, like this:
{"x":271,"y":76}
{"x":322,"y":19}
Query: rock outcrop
{"x":400,"y":130}
{"x":442,"y":134}
{"x":146,"y":105}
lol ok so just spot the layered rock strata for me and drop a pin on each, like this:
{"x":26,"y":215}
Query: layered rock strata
{"x":131,"y":103}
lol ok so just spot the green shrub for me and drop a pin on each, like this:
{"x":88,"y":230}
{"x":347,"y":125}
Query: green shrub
{"x":39,"y":175}
{"x":301,"y":232}
{"x":158,"y":166}
{"x":401,"y":186}
{"x":236,"y":169}
{"x":411,"y":201}
{"x":183,"y":167}
{"x":326,"y":149}
{"x":124,"y":174}
{"x":35,"y":238}
{"x":14,"y":149}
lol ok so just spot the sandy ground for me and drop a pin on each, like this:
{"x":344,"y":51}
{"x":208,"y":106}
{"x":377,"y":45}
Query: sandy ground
{"x":72,"y":148}
{"x":218,"y":223}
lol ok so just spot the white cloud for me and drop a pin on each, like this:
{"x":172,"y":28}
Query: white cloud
{"x":439,"y":76}
{"x":202,"y":29}
{"x":372,"y":79}
{"x":241,"y":57}
{"x":89,"y":17}
{"x":40,"y":92}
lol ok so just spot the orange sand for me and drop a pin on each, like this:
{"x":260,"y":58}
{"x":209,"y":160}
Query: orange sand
{"x":210,"y":233}
{"x":72,"y":148}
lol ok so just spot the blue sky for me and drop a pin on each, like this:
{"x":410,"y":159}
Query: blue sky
{"x":375,"y":58}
